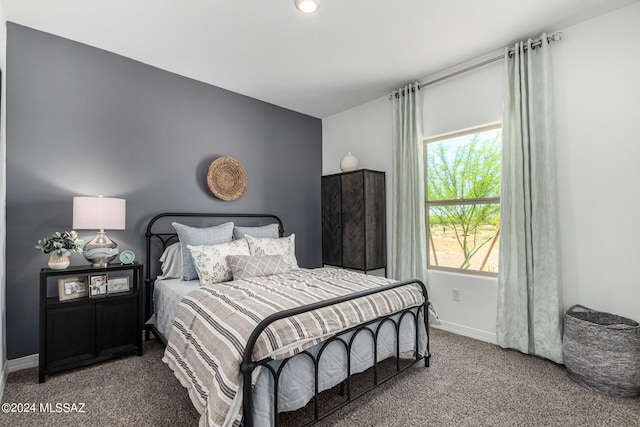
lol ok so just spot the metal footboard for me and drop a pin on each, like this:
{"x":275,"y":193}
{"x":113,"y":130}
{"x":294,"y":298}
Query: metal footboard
{"x":248,"y":365}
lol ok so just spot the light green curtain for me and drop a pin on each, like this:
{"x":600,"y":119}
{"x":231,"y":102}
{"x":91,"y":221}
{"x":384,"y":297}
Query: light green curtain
{"x":409,"y":241}
{"x":529,"y":283}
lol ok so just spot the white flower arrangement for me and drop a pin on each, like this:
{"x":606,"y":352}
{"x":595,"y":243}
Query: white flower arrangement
{"x":61,"y":244}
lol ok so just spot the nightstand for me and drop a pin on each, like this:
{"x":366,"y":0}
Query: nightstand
{"x":81,"y":330}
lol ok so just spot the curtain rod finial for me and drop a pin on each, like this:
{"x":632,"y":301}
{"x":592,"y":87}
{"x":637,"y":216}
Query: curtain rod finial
{"x":556,"y":37}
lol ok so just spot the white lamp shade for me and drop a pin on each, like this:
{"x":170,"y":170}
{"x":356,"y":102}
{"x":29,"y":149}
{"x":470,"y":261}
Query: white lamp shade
{"x":99,"y":213}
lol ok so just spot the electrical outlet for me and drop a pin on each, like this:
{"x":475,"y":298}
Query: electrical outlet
{"x":455,"y":294}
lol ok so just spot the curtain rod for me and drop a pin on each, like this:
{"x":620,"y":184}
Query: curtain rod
{"x":555,"y":37}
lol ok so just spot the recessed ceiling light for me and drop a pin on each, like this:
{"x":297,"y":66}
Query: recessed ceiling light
{"x":307,"y":6}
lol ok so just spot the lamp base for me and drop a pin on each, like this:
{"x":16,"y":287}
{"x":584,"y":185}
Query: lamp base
{"x":100,"y":250}
{"x":100,"y":264}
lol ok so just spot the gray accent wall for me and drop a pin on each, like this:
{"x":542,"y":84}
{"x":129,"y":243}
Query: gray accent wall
{"x":85,"y":122}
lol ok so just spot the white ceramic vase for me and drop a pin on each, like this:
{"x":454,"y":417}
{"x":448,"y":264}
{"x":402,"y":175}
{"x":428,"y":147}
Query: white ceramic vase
{"x":349,"y":163}
{"x":58,"y":263}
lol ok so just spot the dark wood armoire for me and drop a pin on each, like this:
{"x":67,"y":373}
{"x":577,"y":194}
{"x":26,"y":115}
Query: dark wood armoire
{"x":354,"y":220}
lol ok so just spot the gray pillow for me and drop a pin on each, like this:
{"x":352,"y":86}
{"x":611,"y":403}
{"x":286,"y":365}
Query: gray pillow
{"x":171,"y":260}
{"x":271,"y":230}
{"x":199,"y":236}
{"x":243,"y":266}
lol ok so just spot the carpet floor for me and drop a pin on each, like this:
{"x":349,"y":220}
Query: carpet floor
{"x":469,"y":383}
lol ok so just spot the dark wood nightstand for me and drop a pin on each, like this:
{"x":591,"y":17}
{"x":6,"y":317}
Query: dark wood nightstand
{"x":85,"y":330}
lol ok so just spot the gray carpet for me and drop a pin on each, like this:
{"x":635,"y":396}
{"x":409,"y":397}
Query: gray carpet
{"x":469,"y":383}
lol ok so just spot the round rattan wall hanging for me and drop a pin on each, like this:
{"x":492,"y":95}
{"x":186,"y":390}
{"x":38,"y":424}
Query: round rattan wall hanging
{"x":226,"y":178}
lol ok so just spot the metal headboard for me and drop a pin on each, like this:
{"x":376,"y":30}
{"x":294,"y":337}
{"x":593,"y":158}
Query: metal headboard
{"x":168,"y":237}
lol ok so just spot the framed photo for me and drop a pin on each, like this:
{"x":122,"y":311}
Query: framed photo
{"x":118,"y":284}
{"x":72,"y":287}
{"x":97,"y":285}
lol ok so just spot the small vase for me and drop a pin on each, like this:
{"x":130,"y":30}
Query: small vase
{"x":349,"y":163}
{"x":58,"y":263}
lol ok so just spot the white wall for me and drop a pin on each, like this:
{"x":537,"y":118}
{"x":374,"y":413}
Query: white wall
{"x":597,"y":90}
{"x":596,"y":104}
{"x":366,"y":132}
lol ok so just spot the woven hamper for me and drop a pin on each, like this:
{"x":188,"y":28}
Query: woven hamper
{"x":601,"y":351}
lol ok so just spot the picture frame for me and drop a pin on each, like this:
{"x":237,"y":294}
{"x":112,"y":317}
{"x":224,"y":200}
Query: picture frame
{"x":118,"y":284}
{"x":98,"y":285}
{"x":72,"y":288}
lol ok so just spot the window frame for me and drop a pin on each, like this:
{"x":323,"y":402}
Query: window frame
{"x":474,"y":201}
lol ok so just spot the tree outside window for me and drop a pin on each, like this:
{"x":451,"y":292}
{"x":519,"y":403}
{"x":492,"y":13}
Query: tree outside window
{"x":463,"y":199}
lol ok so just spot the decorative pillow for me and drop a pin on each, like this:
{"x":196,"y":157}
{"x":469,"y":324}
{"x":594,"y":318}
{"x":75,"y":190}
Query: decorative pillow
{"x":243,"y":266}
{"x":171,"y":260}
{"x":285,"y":246}
{"x":271,"y":230}
{"x":199,"y":236}
{"x":211,"y":260}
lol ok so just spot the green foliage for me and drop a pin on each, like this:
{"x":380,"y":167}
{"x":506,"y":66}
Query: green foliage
{"x":61,"y":244}
{"x":458,"y":171}
{"x":468,"y":171}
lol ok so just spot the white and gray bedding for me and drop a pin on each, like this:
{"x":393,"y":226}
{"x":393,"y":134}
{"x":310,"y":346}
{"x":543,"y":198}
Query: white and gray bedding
{"x":167,"y":294}
{"x":207,"y":322}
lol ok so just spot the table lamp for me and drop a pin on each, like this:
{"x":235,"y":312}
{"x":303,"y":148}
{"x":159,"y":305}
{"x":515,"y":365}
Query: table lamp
{"x":99,"y":213}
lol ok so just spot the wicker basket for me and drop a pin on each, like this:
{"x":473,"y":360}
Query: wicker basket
{"x":601,"y":351}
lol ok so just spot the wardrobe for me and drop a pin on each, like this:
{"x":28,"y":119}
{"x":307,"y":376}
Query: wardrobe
{"x":354,"y":220}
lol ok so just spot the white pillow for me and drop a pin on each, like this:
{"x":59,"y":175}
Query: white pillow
{"x":285,"y":246}
{"x":171,"y":260}
{"x":211,"y":263}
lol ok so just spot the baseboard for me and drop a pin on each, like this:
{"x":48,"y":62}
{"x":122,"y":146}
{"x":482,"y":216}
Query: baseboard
{"x":3,"y":379}
{"x":466,"y":331}
{"x":21,"y":363}
{"x":16,"y":365}
{"x":26,"y":362}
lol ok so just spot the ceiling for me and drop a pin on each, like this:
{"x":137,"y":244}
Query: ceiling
{"x":348,"y":53}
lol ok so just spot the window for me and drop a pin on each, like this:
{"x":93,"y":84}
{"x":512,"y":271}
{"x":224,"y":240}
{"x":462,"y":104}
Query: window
{"x":462,"y":176}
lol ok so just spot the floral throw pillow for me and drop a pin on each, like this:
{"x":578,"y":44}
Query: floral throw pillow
{"x":244,"y":266}
{"x":211,"y":260}
{"x":285,"y":246}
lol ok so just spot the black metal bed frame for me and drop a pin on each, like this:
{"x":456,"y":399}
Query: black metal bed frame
{"x":248,"y":365}
{"x":167,"y":238}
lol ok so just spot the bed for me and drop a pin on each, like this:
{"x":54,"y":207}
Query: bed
{"x":286,"y":337}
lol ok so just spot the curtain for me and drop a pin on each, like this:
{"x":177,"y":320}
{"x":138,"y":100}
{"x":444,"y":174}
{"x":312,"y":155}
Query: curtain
{"x":409,"y":242}
{"x":529,"y":287}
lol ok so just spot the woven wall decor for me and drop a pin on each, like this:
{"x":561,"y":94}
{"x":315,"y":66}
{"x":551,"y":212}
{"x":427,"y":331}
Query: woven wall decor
{"x":226,"y":178}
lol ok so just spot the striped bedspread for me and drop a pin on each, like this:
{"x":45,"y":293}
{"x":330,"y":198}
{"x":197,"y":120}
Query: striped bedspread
{"x":213,"y":324}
